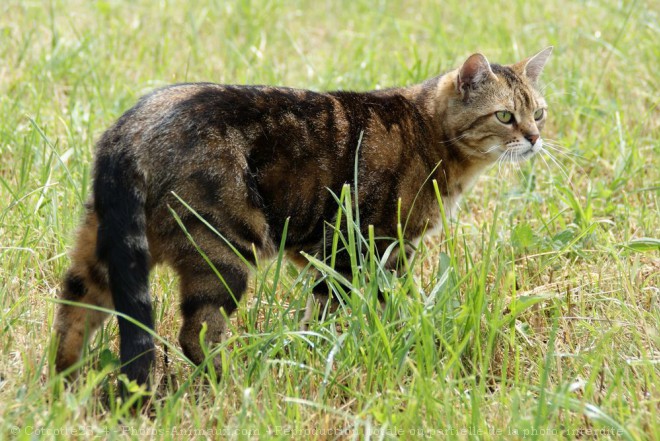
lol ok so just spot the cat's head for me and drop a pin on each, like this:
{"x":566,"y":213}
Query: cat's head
{"x":498,"y":112}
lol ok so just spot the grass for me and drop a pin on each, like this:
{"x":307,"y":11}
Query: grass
{"x":535,"y":315}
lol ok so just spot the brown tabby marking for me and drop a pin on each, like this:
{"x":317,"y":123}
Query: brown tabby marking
{"x":247,"y":158}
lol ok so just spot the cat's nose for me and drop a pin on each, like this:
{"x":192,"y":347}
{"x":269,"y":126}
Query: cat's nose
{"x":532,"y":138}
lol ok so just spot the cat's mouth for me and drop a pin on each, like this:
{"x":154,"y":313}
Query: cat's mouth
{"x":518,"y":154}
{"x":529,"y":153}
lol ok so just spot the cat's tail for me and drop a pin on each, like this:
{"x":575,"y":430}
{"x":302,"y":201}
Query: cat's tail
{"x":119,"y":202}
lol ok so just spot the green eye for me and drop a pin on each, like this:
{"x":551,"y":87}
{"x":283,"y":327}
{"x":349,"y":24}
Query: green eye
{"x":504,"y":116}
{"x":538,"y":114}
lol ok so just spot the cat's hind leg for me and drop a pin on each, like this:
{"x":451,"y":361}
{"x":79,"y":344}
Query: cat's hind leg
{"x":86,"y":284}
{"x":212,"y":278}
{"x":207,"y":298}
{"x":324,"y":299}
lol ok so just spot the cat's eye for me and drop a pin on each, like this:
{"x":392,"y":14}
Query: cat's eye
{"x":504,"y":116}
{"x":538,"y":114}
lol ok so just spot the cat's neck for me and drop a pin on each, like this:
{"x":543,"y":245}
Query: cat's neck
{"x":456,"y":171}
{"x":433,"y":95}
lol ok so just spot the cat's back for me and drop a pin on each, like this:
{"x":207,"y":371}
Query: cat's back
{"x":188,"y":119}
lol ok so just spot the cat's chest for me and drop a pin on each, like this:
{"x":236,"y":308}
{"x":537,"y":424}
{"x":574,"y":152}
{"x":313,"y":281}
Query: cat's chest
{"x":450,"y":204}
{"x":433,"y":221}
{"x":430,"y":214}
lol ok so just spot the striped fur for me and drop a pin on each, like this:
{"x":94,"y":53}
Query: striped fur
{"x":247,"y":158}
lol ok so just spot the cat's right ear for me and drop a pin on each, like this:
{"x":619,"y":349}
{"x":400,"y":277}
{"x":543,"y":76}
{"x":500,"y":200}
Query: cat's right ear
{"x":474,"y":72}
{"x":533,"y":66}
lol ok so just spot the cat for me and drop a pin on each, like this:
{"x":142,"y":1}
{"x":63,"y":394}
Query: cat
{"x":249,"y":158}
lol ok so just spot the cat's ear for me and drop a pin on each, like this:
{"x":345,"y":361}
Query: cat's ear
{"x":533,"y":66}
{"x":474,"y":72}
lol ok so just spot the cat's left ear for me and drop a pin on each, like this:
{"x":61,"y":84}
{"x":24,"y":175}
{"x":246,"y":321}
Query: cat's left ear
{"x":533,"y":66}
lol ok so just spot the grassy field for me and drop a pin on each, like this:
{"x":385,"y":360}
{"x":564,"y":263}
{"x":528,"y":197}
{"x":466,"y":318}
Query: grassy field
{"x":534,"y":316}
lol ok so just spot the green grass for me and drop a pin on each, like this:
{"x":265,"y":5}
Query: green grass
{"x":535,"y":315}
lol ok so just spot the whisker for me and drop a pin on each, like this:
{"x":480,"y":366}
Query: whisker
{"x":549,"y":144}
{"x":496,"y":146}
{"x":516,"y":160}
{"x":564,"y":154}
{"x":461,"y":136}
{"x":512,"y":157}
{"x":544,"y":161}
{"x":561,"y":168}
{"x":560,"y":150}
{"x":500,"y":161}
{"x":491,"y":148}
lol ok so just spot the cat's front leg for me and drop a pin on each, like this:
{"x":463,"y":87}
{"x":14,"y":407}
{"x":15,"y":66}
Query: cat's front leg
{"x":319,"y":304}
{"x":324,"y":301}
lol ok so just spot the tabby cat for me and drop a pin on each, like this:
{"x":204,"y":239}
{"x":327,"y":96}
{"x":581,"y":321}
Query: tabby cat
{"x":246,"y":159}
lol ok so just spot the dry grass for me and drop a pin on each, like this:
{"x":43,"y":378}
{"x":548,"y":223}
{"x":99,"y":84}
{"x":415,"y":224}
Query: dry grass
{"x":535,"y":315}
